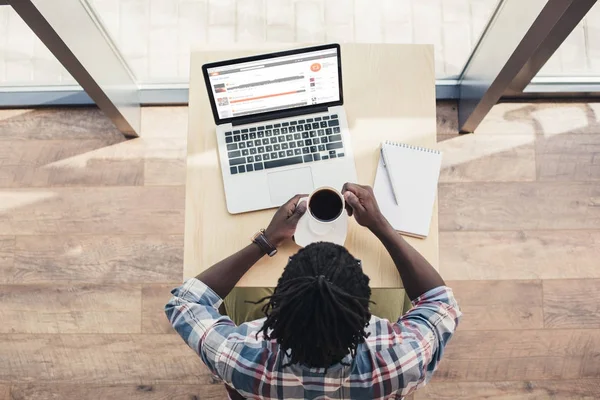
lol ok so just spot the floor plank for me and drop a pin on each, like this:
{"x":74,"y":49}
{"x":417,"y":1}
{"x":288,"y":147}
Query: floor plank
{"x":57,"y":124}
{"x":519,"y":255}
{"x":70,"y":308}
{"x":580,"y":389}
{"x":96,"y":259}
{"x":165,"y":171}
{"x":519,"y":205}
{"x":489,"y":158}
{"x":499,"y":305}
{"x":99,"y":210}
{"x":7,"y":252}
{"x":154,"y":298}
{"x":205,"y":390}
{"x":569,"y":157}
{"x":5,"y":392}
{"x":99,"y":358}
{"x":572,"y":303}
{"x":43,"y":163}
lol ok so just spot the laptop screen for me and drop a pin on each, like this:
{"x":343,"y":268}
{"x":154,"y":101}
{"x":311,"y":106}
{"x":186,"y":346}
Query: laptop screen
{"x":277,"y":83}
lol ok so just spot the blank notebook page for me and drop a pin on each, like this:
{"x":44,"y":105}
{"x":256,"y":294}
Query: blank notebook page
{"x":415,"y":172}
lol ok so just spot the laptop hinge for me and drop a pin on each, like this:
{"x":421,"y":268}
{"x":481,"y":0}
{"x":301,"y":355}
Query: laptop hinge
{"x":279,"y":115}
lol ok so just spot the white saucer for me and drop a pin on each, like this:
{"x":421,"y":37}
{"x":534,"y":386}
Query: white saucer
{"x":309,"y":230}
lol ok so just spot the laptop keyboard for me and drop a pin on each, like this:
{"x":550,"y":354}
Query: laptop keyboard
{"x":286,"y":143}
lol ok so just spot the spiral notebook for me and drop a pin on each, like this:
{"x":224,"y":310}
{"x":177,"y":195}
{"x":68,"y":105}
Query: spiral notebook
{"x":412,"y":173}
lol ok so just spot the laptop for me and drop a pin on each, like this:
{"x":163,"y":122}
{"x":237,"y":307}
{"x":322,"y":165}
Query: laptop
{"x":281,"y":127}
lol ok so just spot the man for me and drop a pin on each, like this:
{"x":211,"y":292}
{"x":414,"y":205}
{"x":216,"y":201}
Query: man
{"x":319,"y":339}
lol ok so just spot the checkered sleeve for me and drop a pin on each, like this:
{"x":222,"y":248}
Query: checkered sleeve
{"x":194,"y":313}
{"x":426,"y":329}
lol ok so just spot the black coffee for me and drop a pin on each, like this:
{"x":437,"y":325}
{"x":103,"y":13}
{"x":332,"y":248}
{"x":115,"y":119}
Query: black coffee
{"x":325,"y":205}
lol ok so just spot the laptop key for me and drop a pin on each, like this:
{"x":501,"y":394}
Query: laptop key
{"x":300,"y":143}
{"x":297,"y":136}
{"x":228,"y":139}
{"x":309,"y":120}
{"x":335,"y":138}
{"x":292,"y":129}
{"x":276,"y":125}
{"x":232,"y":146}
{"x":315,"y":125}
{"x":273,"y":156}
{"x":293,"y":122}
{"x":313,"y":133}
{"x":336,"y":129}
{"x":244,"y":136}
{"x":245,"y":152}
{"x":253,"y":151}
{"x":305,"y":135}
{"x":261,"y":134}
{"x":307,"y":127}
{"x":340,"y":155}
{"x":261,"y":149}
{"x":257,"y":142}
{"x":301,"y":121}
{"x":244,"y":130}
{"x":290,"y":153}
{"x":289,"y":137}
{"x":284,"y":130}
{"x":276,"y":131}
{"x":268,"y":133}
{"x":250,"y":159}
{"x":265,"y":141}
{"x":242,"y":145}
{"x":323,"y":124}
{"x":333,"y":122}
{"x":261,"y":128}
{"x":269,"y":148}
{"x":250,"y":144}
{"x":233,"y":170}
{"x":317,"y":119}
{"x":331,"y":156}
{"x":269,"y":126}
{"x":258,"y":166}
{"x":273,"y":140}
{"x":249,"y":167}
{"x":252,"y":135}
{"x":336,"y":145}
{"x":297,"y":151}
{"x":237,"y":138}
{"x":300,"y":128}
{"x":277,"y":147}
{"x":292,"y":145}
{"x":326,"y":117}
{"x":325,"y":139}
{"x":321,"y":132}
{"x":307,"y":142}
{"x":258,"y":158}
{"x":308,"y":158}
{"x":325,"y":158}
{"x":234,"y":154}
{"x":321,"y":147}
{"x":281,"y":154}
{"x":236,"y":132}
{"x":284,"y":146}
{"x":313,"y":149}
{"x":283,"y":162}
{"x":228,"y":133}
{"x":253,"y":129}
{"x":328,"y":131}
{"x":266,"y":157}
{"x":305,"y":150}
{"x":281,"y":139}
{"x":316,"y":156}
{"x":333,"y":116}
{"x":237,"y":161}
{"x":285,"y":124}
{"x":242,"y":168}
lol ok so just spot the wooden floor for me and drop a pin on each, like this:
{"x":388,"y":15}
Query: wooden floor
{"x":91,"y":243}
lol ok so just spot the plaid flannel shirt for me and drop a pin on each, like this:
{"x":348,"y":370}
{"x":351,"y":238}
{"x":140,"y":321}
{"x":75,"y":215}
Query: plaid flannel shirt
{"x":395,"y":359}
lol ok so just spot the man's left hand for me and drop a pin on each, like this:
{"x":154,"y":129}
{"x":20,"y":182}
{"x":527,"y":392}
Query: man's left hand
{"x":284,"y":222}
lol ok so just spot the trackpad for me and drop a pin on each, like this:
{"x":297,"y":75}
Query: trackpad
{"x":286,"y":184}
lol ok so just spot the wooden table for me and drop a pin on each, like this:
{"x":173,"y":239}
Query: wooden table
{"x":389,"y":94}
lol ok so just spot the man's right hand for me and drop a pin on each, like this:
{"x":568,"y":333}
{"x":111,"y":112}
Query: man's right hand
{"x":360,"y":202}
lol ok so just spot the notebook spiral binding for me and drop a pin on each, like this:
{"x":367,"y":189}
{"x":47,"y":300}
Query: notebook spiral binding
{"x":409,"y":146}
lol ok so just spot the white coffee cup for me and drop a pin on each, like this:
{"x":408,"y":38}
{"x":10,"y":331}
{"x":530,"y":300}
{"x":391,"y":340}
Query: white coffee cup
{"x":325,"y":219}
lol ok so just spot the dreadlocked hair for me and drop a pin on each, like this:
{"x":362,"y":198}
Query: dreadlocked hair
{"x":320,"y":308}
